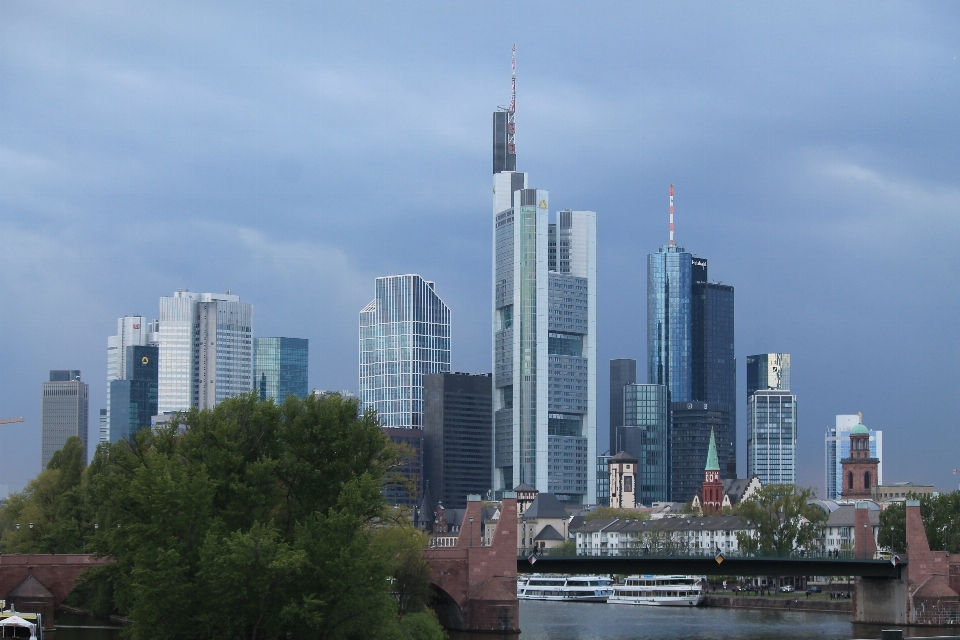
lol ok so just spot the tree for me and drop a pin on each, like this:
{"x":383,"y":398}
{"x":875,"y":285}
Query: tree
{"x":782,"y":519}
{"x":941,"y":521}
{"x":257,"y":520}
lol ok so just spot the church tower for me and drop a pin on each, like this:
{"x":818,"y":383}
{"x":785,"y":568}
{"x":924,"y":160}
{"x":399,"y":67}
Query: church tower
{"x":712,"y":490}
{"x":859,"y":470}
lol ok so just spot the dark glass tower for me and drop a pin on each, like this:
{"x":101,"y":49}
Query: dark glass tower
{"x":690,"y":443}
{"x":646,"y":436}
{"x":280,"y":367}
{"x":457,"y":436}
{"x":622,"y":372}
{"x":669,"y":327}
{"x":133,"y":400}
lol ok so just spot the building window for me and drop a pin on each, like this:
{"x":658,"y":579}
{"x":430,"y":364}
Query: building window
{"x":866,"y":479}
{"x":850,"y":480}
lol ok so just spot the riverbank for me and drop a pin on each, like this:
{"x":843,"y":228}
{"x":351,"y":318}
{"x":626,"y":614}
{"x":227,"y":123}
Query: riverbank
{"x":775,"y":603}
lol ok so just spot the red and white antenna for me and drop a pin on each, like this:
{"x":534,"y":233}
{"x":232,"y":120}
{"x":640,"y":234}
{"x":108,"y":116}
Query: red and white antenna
{"x":511,"y":112}
{"x":671,"y":215}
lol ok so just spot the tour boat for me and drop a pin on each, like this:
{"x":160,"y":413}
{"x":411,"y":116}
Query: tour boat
{"x":14,"y":624}
{"x":564,"y":588}
{"x":664,"y":591}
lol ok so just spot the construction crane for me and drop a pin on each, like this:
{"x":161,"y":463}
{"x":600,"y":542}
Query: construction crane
{"x":10,"y":420}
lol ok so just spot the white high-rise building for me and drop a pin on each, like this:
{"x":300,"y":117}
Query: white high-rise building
{"x":206,"y":349}
{"x":772,"y":437}
{"x":544,"y":343}
{"x":837,"y":447}
{"x":132,"y":331}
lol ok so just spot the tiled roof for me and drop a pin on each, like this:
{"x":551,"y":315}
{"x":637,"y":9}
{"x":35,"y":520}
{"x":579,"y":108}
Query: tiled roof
{"x":549,"y":533}
{"x":545,"y":505}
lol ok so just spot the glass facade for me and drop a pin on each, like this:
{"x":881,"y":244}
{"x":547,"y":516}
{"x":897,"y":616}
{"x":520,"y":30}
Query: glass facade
{"x":131,"y":331}
{"x":65,"y":412}
{"x":603,"y":481}
{"x":772,"y":437}
{"x":646,"y":436}
{"x":837,"y":447}
{"x":134,"y":397}
{"x":623,"y":371}
{"x":669,"y":322}
{"x":206,"y":349}
{"x":768,"y":371}
{"x":280,"y":367}
{"x":544,"y":357}
{"x":691,"y":425}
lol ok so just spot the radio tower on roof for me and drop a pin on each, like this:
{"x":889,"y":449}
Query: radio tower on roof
{"x":671,"y":215}
{"x":512,"y":111}
{"x":505,"y":127}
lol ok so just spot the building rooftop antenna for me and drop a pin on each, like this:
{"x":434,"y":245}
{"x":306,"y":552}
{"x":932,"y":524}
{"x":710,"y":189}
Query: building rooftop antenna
{"x":511,"y":112}
{"x":671,"y":215}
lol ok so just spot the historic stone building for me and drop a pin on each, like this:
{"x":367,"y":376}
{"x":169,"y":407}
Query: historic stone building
{"x":860,"y":469}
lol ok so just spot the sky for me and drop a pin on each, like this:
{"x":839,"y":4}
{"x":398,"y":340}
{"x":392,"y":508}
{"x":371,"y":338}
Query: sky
{"x":293,"y":152}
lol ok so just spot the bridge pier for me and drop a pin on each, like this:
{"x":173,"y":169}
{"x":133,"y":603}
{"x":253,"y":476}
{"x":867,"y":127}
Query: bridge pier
{"x":475,"y":587}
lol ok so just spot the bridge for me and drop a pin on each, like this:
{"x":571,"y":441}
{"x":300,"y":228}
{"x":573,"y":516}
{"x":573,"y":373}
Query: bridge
{"x":474,"y":585}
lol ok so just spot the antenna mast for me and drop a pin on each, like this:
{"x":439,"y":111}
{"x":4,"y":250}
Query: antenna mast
{"x":511,"y":112}
{"x":671,"y":215}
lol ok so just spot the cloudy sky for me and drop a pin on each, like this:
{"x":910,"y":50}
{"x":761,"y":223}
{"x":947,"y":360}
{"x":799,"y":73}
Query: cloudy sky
{"x":292,"y":153}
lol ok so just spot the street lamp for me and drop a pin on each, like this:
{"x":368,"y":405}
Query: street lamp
{"x":471,"y":532}
{"x":18,"y":537}
{"x":31,"y":538}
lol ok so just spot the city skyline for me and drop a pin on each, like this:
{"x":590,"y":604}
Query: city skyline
{"x":793,"y":163}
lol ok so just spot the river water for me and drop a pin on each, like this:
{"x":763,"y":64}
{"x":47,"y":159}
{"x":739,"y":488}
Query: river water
{"x":541,"y":620}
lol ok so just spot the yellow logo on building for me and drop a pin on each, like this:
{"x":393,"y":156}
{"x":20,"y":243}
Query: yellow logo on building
{"x":144,"y":360}
{"x":543,"y":204}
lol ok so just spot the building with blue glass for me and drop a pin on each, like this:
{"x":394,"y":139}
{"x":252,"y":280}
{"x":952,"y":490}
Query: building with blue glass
{"x":691,"y":425}
{"x":772,"y":437}
{"x":280,"y":367}
{"x":404,"y":335}
{"x":646,"y":436}
{"x":133,"y":399}
{"x":669,"y":321}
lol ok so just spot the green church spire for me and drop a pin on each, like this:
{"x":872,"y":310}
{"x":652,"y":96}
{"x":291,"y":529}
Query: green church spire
{"x":712,"y":463}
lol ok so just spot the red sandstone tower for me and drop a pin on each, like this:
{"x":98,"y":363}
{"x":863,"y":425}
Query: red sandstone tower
{"x":712,"y":490}
{"x":859,"y":470}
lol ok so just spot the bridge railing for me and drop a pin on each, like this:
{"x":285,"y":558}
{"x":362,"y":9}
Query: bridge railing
{"x":646,"y":552}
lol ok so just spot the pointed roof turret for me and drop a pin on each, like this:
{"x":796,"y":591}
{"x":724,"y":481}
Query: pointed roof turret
{"x":713,"y":463}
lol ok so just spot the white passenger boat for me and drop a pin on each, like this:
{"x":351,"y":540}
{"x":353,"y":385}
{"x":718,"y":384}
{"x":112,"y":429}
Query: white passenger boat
{"x":564,"y":588}
{"x":664,"y":591}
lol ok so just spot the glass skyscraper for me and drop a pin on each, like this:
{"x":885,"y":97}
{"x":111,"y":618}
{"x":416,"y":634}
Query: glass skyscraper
{"x":623,"y":371}
{"x":837,"y":447}
{"x":131,"y":331}
{"x":646,"y":436}
{"x":772,"y":437}
{"x":133,"y":398}
{"x":691,"y":425}
{"x":404,"y":335}
{"x":66,"y":405}
{"x":544,"y":336}
{"x":669,"y":321}
{"x":768,"y":371}
{"x":280,"y":367}
{"x":206,"y":349}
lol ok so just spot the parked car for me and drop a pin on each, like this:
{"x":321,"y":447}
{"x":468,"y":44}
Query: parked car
{"x":813,"y":590}
{"x":787,"y":588}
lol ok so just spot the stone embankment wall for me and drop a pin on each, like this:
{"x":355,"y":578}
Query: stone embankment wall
{"x":781,"y":603}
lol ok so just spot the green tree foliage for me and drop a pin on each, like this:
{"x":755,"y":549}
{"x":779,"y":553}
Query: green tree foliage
{"x":614,"y":512}
{"x":783,"y":520}
{"x":255,"y":521}
{"x":941,"y":521}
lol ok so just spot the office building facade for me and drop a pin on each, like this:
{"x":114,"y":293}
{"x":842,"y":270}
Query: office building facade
{"x":132,"y":331}
{"x":772,"y":437}
{"x":623,"y":371}
{"x":544,"y":337}
{"x":768,"y":371}
{"x":457,"y":436}
{"x":206,"y":349}
{"x":691,"y":425}
{"x":280,"y":367}
{"x":837,"y":447}
{"x":404,"y":335}
{"x":646,"y":436}
{"x":669,"y":321}
{"x":65,"y":412}
{"x":134,"y":397}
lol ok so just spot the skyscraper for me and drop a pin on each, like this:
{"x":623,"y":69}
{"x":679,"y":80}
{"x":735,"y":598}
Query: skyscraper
{"x":837,"y":447}
{"x":544,"y":343}
{"x":280,"y":367}
{"x":134,"y":397}
{"x":623,"y":371}
{"x":132,"y":331}
{"x":691,"y":425}
{"x":457,"y":436}
{"x":772,"y":437}
{"x":669,"y":321}
{"x":206,"y":349}
{"x":646,"y":436}
{"x":768,"y":371}
{"x":65,"y":412}
{"x":404,"y":335}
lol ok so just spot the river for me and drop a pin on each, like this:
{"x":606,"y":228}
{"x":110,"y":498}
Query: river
{"x":581,"y":621}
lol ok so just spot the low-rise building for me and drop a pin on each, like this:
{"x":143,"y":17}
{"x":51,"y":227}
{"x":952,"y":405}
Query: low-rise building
{"x":544,"y":524}
{"x":899,"y":491}
{"x":615,"y":536}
